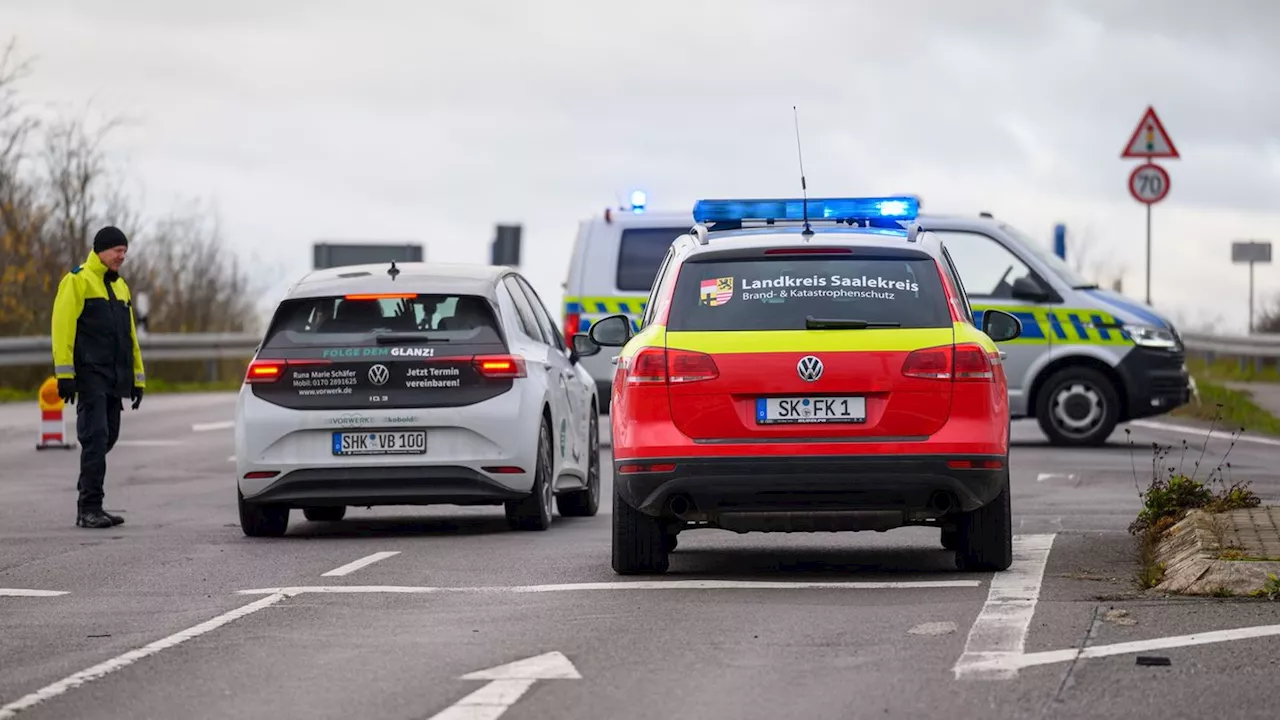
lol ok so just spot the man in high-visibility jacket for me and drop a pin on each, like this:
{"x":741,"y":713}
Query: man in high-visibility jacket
{"x":97,"y":362}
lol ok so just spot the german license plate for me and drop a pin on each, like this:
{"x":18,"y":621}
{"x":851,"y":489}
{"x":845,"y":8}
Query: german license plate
{"x":824,"y":409}
{"x":387,"y":442}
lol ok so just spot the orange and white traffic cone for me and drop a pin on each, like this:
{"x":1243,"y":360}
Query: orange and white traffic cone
{"x":53,"y":422}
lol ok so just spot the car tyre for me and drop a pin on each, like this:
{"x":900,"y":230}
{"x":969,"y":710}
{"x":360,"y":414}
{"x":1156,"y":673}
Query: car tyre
{"x":984,"y":537}
{"x":639,"y":541}
{"x":325,"y":514}
{"x":534,"y":511}
{"x":950,"y":540}
{"x":1088,"y":388}
{"x":262,"y":520}
{"x":586,"y":503}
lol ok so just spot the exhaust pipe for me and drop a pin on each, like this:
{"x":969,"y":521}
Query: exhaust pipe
{"x":940,"y":501}
{"x":680,"y":506}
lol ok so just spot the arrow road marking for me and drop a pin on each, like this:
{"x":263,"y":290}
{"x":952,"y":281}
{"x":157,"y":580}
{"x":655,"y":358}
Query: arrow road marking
{"x":507,"y":684}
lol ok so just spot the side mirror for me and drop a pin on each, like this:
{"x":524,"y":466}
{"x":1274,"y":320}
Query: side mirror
{"x":1026,"y":288}
{"x":613,"y":331}
{"x":1001,"y":326}
{"x":584,"y":346}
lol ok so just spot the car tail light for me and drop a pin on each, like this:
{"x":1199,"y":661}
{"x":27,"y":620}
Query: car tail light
{"x":972,"y":363}
{"x":687,"y":366}
{"x":572,"y":323}
{"x":261,"y":474}
{"x":499,"y":366}
{"x":631,"y":468}
{"x":381,"y":296}
{"x":808,"y":251}
{"x":269,"y":371}
{"x":975,"y":465}
{"x":653,"y":366}
{"x":929,"y":363}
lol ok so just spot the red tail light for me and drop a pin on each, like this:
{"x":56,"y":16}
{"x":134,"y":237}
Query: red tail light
{"x":971,"y":465}
{"x":269,"y":371}
{"x":961,"y":363}
{"x":499,"y":366}
{"x":572,"y":321}
{"x":658,"y":366}
{"x":808,"y":251}
{"x":972,"y":363}
{"x":929,"y":363}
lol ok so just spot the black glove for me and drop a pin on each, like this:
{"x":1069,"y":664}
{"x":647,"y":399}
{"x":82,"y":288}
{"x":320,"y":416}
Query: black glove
{"x":67,"y":390}
{"x":136,"y":396}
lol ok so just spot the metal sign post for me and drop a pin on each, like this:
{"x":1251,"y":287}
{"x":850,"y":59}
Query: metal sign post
{"x":1149,"y":183}
{"x":1251,"y":252}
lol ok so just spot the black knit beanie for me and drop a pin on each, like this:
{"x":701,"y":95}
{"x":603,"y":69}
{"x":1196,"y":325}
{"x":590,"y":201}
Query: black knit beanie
{"x":109,"y":237}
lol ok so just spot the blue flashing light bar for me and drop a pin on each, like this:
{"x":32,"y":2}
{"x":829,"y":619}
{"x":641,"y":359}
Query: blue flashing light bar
{"x":840,"y":209}
{"x":639,"y":199}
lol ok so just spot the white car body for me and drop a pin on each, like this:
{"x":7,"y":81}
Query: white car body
{"x":482,"y":451}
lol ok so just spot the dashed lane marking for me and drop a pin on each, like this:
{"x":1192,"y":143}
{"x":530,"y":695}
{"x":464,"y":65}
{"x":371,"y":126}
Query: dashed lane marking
{"x":1000,"y":632}
{"x":19,"y":592}
{"x":1216,"y":434}
{"x":362,"y":562}
{"x":213,"y":426}
{"x":1055,"y":476}
{"x":122,"y":661}
{"x":637,"y":585}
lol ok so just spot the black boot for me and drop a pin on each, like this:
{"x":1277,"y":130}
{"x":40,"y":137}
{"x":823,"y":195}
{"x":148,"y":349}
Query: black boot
{"x":115,"y":519}
{"x":95,"y":519}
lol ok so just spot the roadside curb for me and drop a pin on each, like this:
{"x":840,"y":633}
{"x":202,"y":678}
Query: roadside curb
{"x":1230,"y":553}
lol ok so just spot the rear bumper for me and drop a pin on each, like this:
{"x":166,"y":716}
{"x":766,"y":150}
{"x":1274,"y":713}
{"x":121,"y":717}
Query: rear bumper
{"x":1156,"y":381}
{"x":906,"y":487}
{"x":386,"y":485}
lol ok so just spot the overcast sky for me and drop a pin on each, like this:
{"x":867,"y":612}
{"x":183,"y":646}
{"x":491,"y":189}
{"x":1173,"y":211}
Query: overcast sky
{"x":432,"y":121}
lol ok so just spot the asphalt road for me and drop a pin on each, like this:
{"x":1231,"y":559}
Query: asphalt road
{"x":177,"y":614}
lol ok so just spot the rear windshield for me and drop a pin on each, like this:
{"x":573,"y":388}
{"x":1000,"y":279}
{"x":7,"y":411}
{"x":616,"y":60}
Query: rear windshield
{"x":780,"y":293}
{"x":339,"y":321}
{"x":640,"y":254}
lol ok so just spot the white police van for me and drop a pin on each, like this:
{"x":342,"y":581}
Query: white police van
{"x":615,"y":258}
{"x":1087,"y":359}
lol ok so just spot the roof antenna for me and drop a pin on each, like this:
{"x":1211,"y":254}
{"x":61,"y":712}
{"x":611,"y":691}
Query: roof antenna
{"x":804,"y":190}
{"x":394,"y":271}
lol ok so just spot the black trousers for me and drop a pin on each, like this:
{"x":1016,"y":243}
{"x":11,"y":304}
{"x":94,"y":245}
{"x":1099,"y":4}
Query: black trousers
{"x":97,"y":429}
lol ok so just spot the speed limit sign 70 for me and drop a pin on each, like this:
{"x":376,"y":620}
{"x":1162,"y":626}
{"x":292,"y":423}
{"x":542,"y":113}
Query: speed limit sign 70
{"x":1149,"y":183}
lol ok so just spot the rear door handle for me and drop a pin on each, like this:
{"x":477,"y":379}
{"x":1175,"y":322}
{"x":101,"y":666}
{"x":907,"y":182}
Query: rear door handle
{"x":614,"y":359}
{"x":1003,"y":355}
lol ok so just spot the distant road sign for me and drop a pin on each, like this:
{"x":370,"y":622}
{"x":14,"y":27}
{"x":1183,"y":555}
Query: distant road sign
{"x":1149,"y":183}
{"x":1150,"y":140}
{"x":1251,"y":251}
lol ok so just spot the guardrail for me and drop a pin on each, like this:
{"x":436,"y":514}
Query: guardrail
{"x":231,"y":346}
{"x":29,"y":351}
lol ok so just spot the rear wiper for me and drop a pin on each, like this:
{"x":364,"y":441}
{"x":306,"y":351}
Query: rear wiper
{"x":396,"y":338}
{"x":813,"y":323}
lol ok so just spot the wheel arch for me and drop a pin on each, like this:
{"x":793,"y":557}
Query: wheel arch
{"x":1093,"y":363}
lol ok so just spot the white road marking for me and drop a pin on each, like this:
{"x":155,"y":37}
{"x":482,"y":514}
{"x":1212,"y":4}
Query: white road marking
{"x":1000,"y":632}
{"x":19,"y":592}
{"x":101,"y":669}
{"x":639,"y":585}
{"x":362,"y":562}
{"x":1216,"y":434}
{"x":1055,"y":476}
{"x":507,"y":684}
{"x":213,"y":426}
{"x":231,"y":458}
{"x":1050,"y":657}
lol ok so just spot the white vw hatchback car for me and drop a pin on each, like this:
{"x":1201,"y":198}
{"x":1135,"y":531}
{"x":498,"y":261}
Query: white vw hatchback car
{"x":419,"y":384}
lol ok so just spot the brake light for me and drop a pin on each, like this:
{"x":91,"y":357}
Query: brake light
{"x":381,"y":296}
{"x":808,"y":251}
{"x":269,"y":371}
{"x":929,"y":363}
{"x":499,"y":366}
{"x":655,"y":366}
{"x":972,"y":363}
{"x":572,"y":321}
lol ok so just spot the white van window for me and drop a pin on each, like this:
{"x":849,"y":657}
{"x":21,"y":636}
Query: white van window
{"x":1059,"y":266}
{"x":986,"y":267}
{"x":640,"y":254}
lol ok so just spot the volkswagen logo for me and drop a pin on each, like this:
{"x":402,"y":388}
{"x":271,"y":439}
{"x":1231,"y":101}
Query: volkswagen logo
{"x":809,"y":368}
{"x":378,"y":374}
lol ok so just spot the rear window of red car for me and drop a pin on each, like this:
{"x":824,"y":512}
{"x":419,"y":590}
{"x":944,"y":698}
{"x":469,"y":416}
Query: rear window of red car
{"x":780,"y":293}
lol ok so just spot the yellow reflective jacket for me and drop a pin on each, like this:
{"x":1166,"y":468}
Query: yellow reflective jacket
{"x":95,"y":336}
